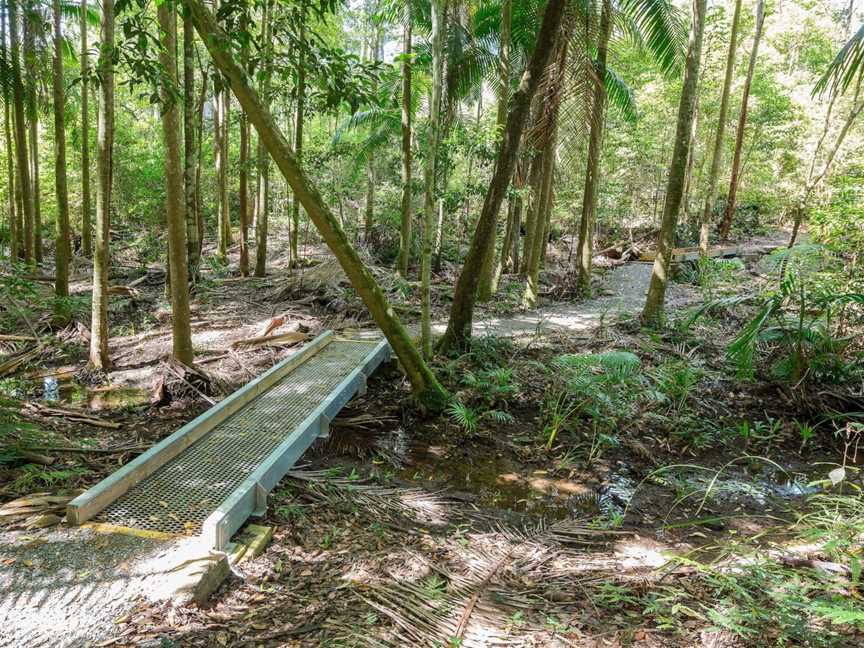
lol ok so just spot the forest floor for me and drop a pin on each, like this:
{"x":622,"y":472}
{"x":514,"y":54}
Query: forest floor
{"x":505,"y":521}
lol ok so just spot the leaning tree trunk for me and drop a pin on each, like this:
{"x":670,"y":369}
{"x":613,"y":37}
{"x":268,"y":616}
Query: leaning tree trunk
{"x":190,"y":154}
{"x":585,"y":247}
{"x":717,"y":155}
{"x":404,"y":258}
{"x":14,"y":232}
{"x":175,"y":197}
{"x":429,"y":179}
{"x":489,"y":278}
{"x":33,"y":141}
{"x":653,"y":311}
{"x":99,"y":356}
{"x":21,"y":152}
{"x":425,"y":386}
{"x":298,"y":141}
{"x":742,"y":123}
{"x":86,"y":226}
{"x":63,"y":250}
{"x":262,"y":206}
{"x":462,"y":311}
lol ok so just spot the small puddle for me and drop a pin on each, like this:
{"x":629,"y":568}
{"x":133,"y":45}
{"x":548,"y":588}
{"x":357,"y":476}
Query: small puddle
{"x":61,"y":389}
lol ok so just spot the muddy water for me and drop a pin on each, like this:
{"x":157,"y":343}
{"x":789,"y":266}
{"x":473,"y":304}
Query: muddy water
{"x":671,"y":496}
{"x":62,"y":390}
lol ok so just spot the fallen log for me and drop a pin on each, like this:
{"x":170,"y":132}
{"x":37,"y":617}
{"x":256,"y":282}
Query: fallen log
{"x":285,"y":339}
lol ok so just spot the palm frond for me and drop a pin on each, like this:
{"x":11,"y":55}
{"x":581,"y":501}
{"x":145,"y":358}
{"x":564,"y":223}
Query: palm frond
{"x":620,"y":94}
{"x":656,"y":26}
{"x":846,"y":67}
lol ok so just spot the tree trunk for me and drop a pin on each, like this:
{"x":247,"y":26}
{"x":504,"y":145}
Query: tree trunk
{"x":742,"y":123}
{"x":404,"y":259}
{"x":33,"y":140}
{"x":244,"y":176}
{"x":220,"y":146}
{"x":99,"y":356}
{"x":21,"y":152}
{"x":86,"y":226}
{"x":653,"y":312}
{"x":438,"y":8}
{"x":63,"y":251}
{"x":424,"y":384}
{"x":298,"y":141}
{"x":263,"y":162}
{"x":462,"y":311}
{"x":14,"y":232}
{"x":190,"y":154}
{"x":717,"y":155}
{"x":199,"y":163}
{"x":541,"y":217}
{"x":535,"y":175}
{"x":489,"y":278}
{"x":175,"y":197}
{"x":585,"y":247}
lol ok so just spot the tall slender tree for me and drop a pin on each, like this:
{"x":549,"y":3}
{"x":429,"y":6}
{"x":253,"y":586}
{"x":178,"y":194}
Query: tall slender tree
{"x":299,"y":116}
{"x":464,"y":296}
{"x":24,"y":188}
{"x":734,"y":179}
{"x":654,"y":302}
{"x":717,"y":155}
{"x":175,"y":197}
{"x":585,"y":247}
{"x":489,"y":278}
{"x":99,"y":353}
{"x":438,"y":10}
{"x":14,"y":233}
{"x":406,"y":212}
{"x":32,"y":21}
{"x":190,"y":152}
{"x":62,"y":246}
{"x":86,"y":226}
{"x":243,"y":193}
{"x":262,"y":205}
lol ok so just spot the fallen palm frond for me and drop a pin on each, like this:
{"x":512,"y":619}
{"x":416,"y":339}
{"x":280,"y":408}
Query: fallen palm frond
{"x":396,"y":504}
{"x":11,"y":364}
{"x":496,"y":576}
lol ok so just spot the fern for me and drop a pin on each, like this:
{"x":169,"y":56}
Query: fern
{"x":463,"y":416}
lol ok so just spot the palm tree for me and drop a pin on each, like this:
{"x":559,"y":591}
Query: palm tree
{"x":86,"y":227}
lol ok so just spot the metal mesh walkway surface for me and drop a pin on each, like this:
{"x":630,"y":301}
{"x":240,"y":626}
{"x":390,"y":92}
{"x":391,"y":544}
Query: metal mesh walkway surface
{"x":223,"y":473}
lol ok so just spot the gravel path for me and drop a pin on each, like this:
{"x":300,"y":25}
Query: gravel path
{"x":67,"y":587}
{"x":625,"y":288}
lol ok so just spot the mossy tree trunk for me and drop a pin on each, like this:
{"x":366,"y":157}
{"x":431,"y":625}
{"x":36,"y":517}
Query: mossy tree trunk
{"x":63,"y":249}
{"x":425,"y":386}
{"x":653,"y":312}
{"x":30,"y":25}
{"x":299,"y":116}
{"x":464,"y":297}
{"x":99,"y":355}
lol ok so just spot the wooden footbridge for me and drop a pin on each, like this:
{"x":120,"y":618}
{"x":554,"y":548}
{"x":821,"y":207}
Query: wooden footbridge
{"x":213,"y":473}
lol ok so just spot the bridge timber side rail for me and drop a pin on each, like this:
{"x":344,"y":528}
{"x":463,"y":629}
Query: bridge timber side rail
{"x":209,"y":476}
